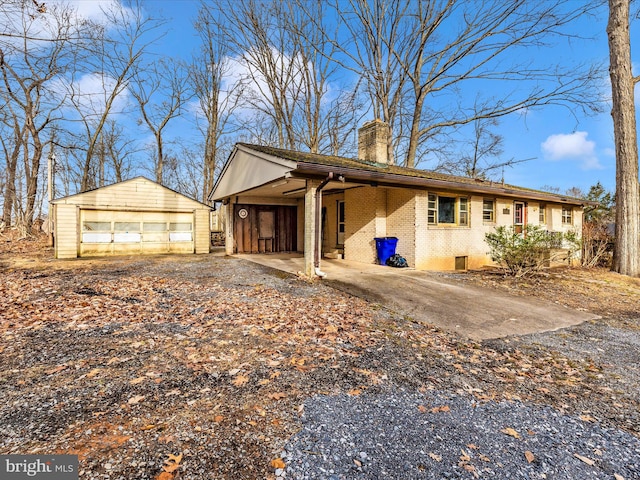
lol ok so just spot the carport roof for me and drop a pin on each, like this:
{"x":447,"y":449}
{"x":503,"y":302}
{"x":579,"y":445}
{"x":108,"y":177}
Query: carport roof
{"x":313,"y":164}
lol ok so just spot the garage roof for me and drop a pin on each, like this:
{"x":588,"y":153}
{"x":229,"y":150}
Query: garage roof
{"x":136,"y":193}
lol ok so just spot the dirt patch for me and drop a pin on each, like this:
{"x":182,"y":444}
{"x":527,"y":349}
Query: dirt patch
{"x":128,"y":361}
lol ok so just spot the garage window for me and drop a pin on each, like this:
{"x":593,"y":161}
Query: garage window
{"x":154,"y":227}
{"x":126,"y":232}
{"x":180,"y":232}
{"x":96,"y":232}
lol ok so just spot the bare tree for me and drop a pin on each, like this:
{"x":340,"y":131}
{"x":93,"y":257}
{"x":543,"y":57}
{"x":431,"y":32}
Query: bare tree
{"x":117,"y":54}
{"x":286,"y":58}
{"x":482,"y":157}
{"x":418,"y":57}
{"x":162,"y":89}
{"x":218,"y":94}
{"x":627,"y":250}
{"x":37,"y":46}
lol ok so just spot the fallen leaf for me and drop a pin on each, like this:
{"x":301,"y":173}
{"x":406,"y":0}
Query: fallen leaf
{"x":218,"y":418}
{"x":164,"y":476}
{"x":357,"y":462}
{"x":587,"y":418}
{"x":586,"y":460}
{"x":278,"y":463}
{"x":277,"y":396}
{"x":264,"y":381}
{"x":138,"y":380}
{"x":473,"y":446}
{"x":57,"y":369}
{"x":442,"y":408}
{"x":93,"y":373}
{"x":135,"y":399}
{"x":618,"y":477}
{"x":423,"y":409}
{"x":435,"y":457}
{"x":464,"y":457}
{"x":529,"y":456}
{"x":148,"y":427}
{"x":172,"y":463}
{"x":355,"y":392}
{"x":240,"y":380}
{"x":511,"y":432}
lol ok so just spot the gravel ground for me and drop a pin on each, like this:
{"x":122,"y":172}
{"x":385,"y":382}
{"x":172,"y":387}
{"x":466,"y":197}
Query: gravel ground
{"x":404,"y":435}
{"x":133,"y":362}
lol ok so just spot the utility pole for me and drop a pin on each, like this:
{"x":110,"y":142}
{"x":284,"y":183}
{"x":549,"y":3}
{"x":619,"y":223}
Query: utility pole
{"x":51,"y":166}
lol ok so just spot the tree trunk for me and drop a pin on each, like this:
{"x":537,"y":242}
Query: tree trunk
{"x":627,"y":249}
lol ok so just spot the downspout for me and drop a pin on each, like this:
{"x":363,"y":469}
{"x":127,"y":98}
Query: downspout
{"x":318,"y":220}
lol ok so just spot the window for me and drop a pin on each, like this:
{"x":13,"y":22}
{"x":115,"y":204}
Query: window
{"x":180,"y":232}
{"x":445,"y":210}
{"x":567,"y":215}
{"x":154,"y":227}
{"x":96,"y":232}
{"x":542,"y":216}
{"x":126,"y":232}
{"x":432,"y":209}
{"x":463,"y":208}
{"x":341,"y":222}
{"x":488,"y":209}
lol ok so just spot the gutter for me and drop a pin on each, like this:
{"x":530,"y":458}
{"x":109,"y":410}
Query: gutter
{"x":384,"y":179}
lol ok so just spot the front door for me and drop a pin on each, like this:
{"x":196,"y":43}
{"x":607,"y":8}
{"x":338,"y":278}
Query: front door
{"x":518,"y":217}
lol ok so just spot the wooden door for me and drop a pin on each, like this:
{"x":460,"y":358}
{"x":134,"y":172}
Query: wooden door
{"x":264,"y":228}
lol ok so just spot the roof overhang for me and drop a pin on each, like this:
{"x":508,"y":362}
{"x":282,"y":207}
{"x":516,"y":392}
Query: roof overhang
{"x":252,"y":173}
{"x":382,"y":179}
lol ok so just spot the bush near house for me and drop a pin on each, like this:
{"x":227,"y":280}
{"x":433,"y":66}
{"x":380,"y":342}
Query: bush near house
{"x":523,"y":254}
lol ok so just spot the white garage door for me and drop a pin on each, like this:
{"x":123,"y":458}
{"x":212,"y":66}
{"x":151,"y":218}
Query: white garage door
{"x":106,"y":232}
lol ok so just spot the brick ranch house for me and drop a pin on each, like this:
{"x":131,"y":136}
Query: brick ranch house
{"x":279,"y":200}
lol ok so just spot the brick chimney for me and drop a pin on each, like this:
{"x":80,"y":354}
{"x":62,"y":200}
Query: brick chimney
{"x":372,"y":142}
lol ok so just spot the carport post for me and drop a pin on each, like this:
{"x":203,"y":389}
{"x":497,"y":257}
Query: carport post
{"x":310,"y":233}
{"x":228,"y":228}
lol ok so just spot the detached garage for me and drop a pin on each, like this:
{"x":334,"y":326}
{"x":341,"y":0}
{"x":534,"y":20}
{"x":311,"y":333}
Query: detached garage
{"x":133,"y":217}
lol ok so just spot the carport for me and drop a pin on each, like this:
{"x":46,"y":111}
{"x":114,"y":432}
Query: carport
{"x":428,"y":297}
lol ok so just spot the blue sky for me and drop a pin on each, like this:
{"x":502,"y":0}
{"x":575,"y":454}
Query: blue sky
{"x":568,"y":148}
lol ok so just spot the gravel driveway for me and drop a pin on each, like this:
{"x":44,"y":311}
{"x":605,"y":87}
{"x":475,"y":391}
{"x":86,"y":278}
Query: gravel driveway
{"x":405,"y":436}
{"x":130,"y":362}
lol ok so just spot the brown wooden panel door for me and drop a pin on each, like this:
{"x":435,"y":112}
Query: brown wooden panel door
{"x":265,"y":228}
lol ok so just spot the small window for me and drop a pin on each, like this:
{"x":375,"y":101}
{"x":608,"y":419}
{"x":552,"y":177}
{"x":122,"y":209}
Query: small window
{"x":127,"y":226}
{"x":432,"y":209}
{"x":542,"y":216}
{"x":567,"y":215}
{"x":96,"y":226}
{"x":154,"y":227}
{"x":488,"y":209}
{"x":180,"y":227}
{"x":463,"y":211}
{"x":341,"y":222}
{"x":461,"y":263}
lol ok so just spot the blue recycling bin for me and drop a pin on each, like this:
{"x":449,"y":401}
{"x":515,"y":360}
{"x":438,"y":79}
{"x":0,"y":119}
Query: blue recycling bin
{"x":385,"y":247}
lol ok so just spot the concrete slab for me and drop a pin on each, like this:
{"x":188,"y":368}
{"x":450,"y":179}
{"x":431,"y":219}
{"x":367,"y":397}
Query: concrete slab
{"x":475,"y":312}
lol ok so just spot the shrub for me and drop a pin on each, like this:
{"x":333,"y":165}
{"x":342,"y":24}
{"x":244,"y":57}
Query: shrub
{"x":522,"y":254}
